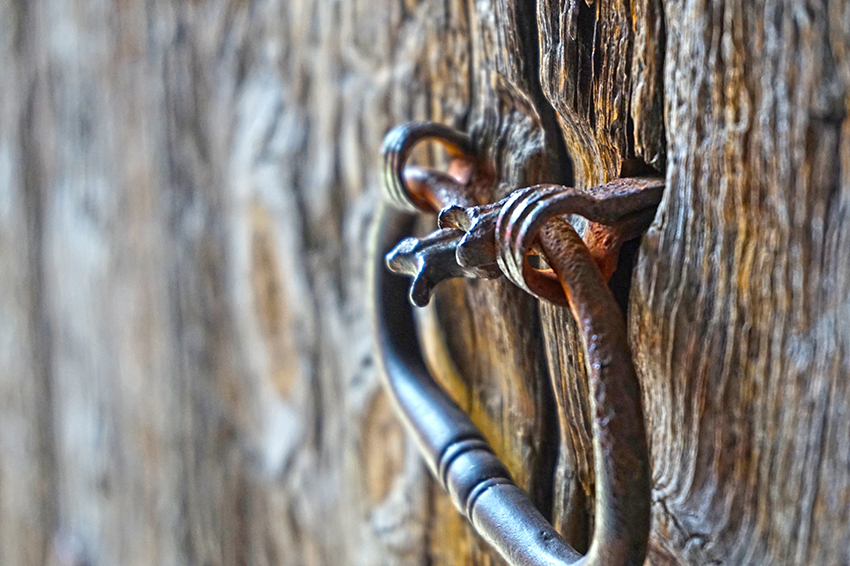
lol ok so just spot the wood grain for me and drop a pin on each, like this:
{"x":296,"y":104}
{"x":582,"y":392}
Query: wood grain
{"x":187,"y":188}
{"x":739,"y":306}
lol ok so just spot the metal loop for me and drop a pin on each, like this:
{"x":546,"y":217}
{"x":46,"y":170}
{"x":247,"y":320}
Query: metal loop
{"x":516,"y":228}
{"x":398,"y":145}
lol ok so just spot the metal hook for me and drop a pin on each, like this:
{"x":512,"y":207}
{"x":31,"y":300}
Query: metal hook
{"x":454,"y":449}
{"x":452,"y":445}
{"x":432,"y":259}
{"x":415,"y":189}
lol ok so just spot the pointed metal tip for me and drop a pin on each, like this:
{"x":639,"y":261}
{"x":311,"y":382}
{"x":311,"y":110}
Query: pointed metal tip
{"x":420,"y":291}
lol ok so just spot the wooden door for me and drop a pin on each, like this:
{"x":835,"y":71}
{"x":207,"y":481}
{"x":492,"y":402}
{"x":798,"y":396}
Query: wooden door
{"x":186,"y":190}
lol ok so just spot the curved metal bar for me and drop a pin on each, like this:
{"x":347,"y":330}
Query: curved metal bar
{"x":453,"y":447}
{"x":620,"y":453}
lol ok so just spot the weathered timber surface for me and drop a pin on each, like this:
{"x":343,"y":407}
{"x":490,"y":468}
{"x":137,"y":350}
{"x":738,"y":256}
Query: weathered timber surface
{"x":740,"y":311}
{"x":185,"y":193}
{"x":601,"y":69}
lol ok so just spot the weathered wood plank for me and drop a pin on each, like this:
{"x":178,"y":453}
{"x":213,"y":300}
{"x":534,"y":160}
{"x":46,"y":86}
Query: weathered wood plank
{"x":601,"y":71}
{"x":189,"y":374}
{"x":489,"y":334}
{"x":739,"y":313}
{"x":187,"y":189}
{"x":27,"y":480}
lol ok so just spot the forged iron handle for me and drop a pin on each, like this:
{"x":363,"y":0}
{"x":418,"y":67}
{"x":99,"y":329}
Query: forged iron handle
{"x":454,"y":449}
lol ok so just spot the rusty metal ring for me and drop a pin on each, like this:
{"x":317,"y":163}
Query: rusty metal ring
{"x":398,"y":145}
{"x":514,"y":239}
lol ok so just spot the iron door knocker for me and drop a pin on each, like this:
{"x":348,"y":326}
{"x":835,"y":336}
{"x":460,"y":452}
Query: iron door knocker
{"x":475,"y":239}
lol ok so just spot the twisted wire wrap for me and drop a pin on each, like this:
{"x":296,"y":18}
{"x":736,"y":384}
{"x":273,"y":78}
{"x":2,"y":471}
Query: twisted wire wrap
{"x":527,"y":210}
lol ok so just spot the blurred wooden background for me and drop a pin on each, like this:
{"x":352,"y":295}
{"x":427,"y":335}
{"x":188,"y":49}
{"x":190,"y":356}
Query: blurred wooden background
{"x":187,"y":375}
{"x":186,"y":189}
